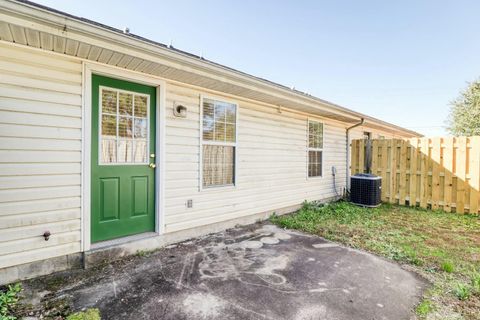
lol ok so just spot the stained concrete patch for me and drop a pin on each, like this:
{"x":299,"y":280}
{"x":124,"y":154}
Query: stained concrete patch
{"x":203,"y":305}
{"x":256,"y":272}
{"x":269,"y":240}
{"x":324,"y":245}
{"x":311,"y":313}
{"x":251,"y":244}
{"x":282,"y":235}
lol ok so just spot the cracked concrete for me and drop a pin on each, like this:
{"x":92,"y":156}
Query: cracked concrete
{"x":253,"y":272}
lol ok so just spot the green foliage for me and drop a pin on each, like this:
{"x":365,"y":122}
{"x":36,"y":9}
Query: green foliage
{"x":424,"y":308}
{"x":464,"y":118}
{"x":90,"y":314}
{"x":476,"y":283}
{"x":448,"y":267}
{"x":462,"y":291}
{"x":8,"y":300}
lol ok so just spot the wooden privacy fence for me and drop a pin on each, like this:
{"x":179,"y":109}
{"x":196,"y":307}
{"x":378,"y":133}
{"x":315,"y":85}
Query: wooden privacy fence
{"x":438,"y":173}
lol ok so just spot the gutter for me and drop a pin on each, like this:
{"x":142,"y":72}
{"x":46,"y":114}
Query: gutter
{"x":347,"y":135}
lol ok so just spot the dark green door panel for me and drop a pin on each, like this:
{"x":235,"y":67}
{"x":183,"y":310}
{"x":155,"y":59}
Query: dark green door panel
{"x":123,"y":138}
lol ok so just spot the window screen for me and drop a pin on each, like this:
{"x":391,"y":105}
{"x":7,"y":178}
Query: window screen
{"x":218,"y":143}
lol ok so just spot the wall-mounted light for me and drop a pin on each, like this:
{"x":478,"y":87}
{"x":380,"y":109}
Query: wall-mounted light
{"x":179,"y":110}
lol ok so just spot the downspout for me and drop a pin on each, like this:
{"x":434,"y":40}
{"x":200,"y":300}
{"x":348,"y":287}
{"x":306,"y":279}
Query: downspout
{"x":362,"y":120}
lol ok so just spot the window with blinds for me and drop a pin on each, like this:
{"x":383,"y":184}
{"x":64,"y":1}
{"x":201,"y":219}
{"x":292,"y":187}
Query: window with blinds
{"x":219,"y":141}
{"x":315,"y":148}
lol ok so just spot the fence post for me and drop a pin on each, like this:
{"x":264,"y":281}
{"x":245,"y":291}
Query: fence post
{"x":474,"y":174}
{"x":368,"y":156}
{"x":361,"y":157}
{"x":353,"y":156}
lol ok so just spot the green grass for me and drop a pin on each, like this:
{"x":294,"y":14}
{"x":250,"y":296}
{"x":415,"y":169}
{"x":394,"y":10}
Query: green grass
{"x":443,"y":247}
{"x":448,"y":266}
{"x":424,"y":308}
{"x":90,"y":314}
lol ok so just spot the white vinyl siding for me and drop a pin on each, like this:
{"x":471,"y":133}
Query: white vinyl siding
{"x":271,"y":161}
{"x":40,"y":155}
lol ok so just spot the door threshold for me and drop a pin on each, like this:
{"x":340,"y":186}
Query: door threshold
{"x":123,"y":240}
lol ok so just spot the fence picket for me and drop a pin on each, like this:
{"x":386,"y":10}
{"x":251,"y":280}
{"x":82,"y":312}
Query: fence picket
{"x":384,"y":144}
{"x":393,"y":171}
{"x":424,"y":173}
{"x":412,"y":198}
{"x":448,"y":166}
{"x":435,"y":158}
{"x":461,"y":173}
{"x":375,"y":157}
{"x":402,"y":190}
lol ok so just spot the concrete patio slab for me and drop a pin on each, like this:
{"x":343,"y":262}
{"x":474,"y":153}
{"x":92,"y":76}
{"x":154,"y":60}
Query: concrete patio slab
{"x":254,"y":272}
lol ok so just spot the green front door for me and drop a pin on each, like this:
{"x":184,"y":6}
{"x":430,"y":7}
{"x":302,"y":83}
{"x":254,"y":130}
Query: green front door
{"x":123,"y":157}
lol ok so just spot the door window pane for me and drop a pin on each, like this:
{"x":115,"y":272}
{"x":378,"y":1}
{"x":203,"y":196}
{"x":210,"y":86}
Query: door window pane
{"x":124,"y":127}
{"x":109,"y":101}
{"x":109,"y":126}
{"x":140,"y":153}
{"x":125,"y":151}
{"x":125,"y":101}
{"x":109,"y":151}
{"x":140,"y":128}
{"x":140,"y":106}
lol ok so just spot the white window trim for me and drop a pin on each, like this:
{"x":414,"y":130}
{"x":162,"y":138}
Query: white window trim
{"x":100,"y":114}
{"x":217,"y":143}
{"x":308,"y":148}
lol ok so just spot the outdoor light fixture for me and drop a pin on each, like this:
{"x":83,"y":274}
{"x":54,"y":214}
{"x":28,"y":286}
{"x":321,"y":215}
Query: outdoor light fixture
{"x":179,"y":111}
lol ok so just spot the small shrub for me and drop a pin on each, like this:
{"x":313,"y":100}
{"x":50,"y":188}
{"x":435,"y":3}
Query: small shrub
{"x":448,"y":267}
{"x":141,"y":253}
{"x":462,"y":291}
{"x":90,"y":314}
{"x":8,"y":300}
{"x":424,"y":308}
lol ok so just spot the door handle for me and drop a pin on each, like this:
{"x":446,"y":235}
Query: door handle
{"x":152,"y":165}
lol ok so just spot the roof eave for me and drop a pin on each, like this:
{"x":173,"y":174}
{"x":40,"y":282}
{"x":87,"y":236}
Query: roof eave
{"x":59,"y":22}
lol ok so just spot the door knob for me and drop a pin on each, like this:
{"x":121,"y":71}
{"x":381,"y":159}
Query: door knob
{"x":152,"y":165}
